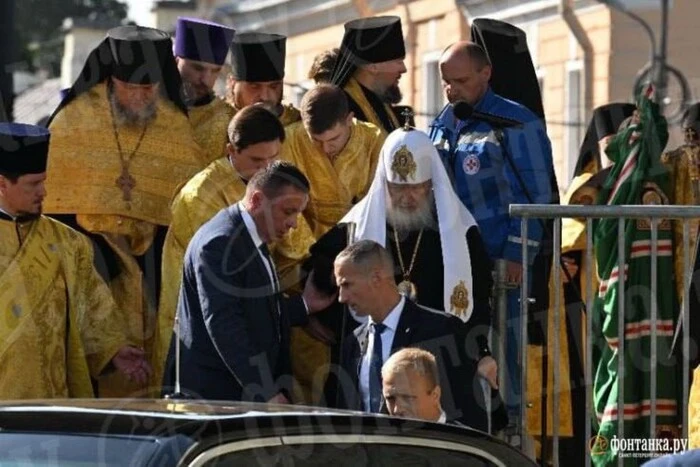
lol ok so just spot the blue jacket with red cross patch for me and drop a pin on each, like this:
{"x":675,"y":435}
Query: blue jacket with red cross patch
{"x":484,"y":179}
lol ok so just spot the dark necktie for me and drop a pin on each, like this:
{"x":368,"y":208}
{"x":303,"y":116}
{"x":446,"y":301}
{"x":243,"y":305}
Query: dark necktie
{"x":275,"y":285}
{"x":375,"y":369}
{"x":266,"y":254}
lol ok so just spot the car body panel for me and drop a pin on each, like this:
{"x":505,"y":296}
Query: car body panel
{"x":185,"y":432}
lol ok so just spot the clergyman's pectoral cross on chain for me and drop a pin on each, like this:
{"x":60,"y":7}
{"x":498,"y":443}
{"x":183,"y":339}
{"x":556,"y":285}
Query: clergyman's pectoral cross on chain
{"x":407,"y":114}
{"x":127,"y":183}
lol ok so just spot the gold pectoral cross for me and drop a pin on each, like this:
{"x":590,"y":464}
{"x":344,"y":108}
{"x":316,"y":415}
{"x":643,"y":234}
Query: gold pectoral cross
{"x":126,"y":183}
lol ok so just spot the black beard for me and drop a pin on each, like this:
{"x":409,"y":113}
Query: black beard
{"x":192,"y":100}
{"x":27,"y":217}
{"x":392,"y":95}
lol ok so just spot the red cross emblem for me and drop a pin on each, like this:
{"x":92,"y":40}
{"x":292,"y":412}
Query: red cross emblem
{"x":471,"y":164}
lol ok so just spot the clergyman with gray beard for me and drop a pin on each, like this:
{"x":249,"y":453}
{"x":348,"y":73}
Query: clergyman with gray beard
{"x":121,"y":145}
{"x":132,"y":104}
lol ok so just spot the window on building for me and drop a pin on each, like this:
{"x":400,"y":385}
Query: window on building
{"x":574,"y":115}
{"x":434,"y":96}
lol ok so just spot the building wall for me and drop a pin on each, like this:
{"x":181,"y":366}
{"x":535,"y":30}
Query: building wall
{"x":301,"y":51}
{"x":631,"y":48}
{"x":432,"y":26}
{"x":558,"y":60}
{"x":621,"y":49}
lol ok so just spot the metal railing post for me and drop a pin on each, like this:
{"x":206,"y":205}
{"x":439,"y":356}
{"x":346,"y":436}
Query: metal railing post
{"x":557,"y":312}
{"x":588,"y":368}
{"x":621,"y":279}
{"x":623,"y":213}
{"x":522,"y":351}
{"x":687,"y":278}
{"x":652,"y":325}
{"x":501,"y":302}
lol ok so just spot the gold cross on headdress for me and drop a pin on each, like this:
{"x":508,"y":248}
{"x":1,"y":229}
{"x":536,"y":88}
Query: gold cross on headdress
{"x":407,"y":114}
{"x":691,"y":136}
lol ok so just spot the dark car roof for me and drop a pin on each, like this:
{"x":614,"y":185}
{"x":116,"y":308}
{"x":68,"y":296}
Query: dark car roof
{"x":215,"y":422}
{"x":177,"y":409}
{"x":143,"y":416}
{"x":154,"y":417}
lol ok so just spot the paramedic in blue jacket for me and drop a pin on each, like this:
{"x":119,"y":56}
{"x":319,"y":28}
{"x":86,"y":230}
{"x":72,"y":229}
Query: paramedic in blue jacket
{"x":487,"y":182}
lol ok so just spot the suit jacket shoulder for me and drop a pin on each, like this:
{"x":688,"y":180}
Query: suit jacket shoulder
{"x":428,"y":320}
{"x":226,"y":231}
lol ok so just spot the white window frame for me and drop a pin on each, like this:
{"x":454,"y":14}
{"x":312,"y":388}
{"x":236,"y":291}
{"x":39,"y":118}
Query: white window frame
{"x":573,"y":135}
{"x":430,"y":109}
{"x":541,"y":75}
{"x":532,"y":34}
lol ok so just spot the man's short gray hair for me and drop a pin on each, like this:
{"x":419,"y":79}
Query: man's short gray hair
{"x":419,"y":361}
{"x":367,"y":254}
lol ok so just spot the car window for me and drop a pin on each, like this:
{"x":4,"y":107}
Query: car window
{"x":347,"y":450}
{"x":374,"y":455}
{"x":59,"y":450}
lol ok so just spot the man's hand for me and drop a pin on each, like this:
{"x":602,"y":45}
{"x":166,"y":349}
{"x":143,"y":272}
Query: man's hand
{"x":571,"y":268}
{"x":316,"y":300}
{"x":319,"y":332}
{"x":131,"y":362}
{"x":488,"y":369}
{"x":514,"y":273}
{"x":278,"y":399}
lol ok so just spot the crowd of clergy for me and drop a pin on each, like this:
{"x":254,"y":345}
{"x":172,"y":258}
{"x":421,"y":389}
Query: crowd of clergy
{"x":159,"y":240}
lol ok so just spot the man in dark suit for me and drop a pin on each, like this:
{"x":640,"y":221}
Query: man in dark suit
{"x":364,"y":272}
{"x":234,"y":323}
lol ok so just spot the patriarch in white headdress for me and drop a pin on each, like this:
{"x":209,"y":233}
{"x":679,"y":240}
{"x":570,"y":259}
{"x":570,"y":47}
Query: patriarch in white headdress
{"x":409,"y":188}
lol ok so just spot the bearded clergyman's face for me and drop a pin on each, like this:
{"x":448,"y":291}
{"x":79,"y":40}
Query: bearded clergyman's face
{"x":198,"y":78}
{"x":410,"y":206}
{"x":133,"y":104}
{"x":386,"y":76}
{"x":245,"y":93}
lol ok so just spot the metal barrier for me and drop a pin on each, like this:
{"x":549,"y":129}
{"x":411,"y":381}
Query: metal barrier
{"x":655,"y":214}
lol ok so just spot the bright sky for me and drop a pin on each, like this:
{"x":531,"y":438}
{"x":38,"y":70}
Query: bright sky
{"x":139,"y":10}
